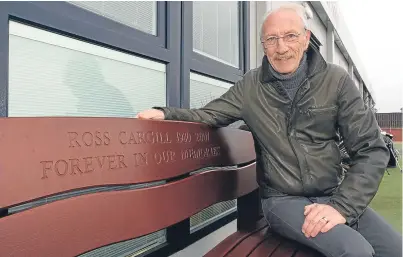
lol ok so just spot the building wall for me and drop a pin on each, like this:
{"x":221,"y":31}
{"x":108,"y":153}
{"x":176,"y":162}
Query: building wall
{"x":339,"y":58}
{"x":255,"y":47}
{"x":335,"y":16}
{"x":356,"y":81}
{"x":390,"y":120}
{"x":319,"y":30}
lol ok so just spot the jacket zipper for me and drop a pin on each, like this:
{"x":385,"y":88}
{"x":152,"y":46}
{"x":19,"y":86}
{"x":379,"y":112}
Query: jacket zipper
{"x":292,"y":106}
{"x":316,"y":110}
{"x":289,"y":116}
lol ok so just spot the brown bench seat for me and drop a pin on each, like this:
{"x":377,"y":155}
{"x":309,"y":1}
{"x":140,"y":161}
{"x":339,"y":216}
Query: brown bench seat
{"x":153,"y":162}
{"x":259,"y":242}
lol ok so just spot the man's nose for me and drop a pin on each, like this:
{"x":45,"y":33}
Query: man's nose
{"x":281,"y":46}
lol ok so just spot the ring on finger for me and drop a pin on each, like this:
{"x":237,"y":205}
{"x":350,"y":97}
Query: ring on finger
{"x":325,"y":219}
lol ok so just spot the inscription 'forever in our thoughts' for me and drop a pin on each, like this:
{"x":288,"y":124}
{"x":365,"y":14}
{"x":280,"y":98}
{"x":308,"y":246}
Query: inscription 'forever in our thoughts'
{"x":88,"y":164}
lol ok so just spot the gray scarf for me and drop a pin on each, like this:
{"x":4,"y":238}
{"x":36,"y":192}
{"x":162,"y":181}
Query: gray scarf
{"x":291,"y":82}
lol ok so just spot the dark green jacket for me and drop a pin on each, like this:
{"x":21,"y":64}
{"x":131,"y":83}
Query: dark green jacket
{"x":295,"y":140}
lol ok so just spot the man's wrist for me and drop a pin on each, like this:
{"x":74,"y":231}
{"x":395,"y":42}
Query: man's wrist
{"x":165,"y":111}
{"x":341,"y":210}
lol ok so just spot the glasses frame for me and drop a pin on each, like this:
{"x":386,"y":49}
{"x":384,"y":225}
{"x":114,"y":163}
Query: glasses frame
{"x":266,"y":45}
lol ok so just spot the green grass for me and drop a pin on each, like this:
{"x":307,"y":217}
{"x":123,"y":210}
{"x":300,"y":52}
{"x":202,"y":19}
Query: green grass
{"x":388,"y":200}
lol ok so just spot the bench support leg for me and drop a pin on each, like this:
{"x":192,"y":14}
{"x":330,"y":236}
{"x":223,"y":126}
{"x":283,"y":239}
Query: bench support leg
{"x":249,"y":210}
{"x":3,"y":212}
{"x":178,"y":234}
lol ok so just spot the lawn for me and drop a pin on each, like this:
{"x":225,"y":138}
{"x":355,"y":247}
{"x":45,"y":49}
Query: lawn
{"x":388,"y":200}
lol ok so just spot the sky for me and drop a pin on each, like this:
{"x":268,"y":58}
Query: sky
{"x":376,"y":29}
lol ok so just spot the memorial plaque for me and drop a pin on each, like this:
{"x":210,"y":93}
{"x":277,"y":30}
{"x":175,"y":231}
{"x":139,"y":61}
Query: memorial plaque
{"x":46,"y":156}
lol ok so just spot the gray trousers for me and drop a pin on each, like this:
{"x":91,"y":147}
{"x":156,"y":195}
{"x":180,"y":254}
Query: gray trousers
{"x":370,"y":236}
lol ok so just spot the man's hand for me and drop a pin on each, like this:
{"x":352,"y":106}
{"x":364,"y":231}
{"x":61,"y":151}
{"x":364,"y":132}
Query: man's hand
{"x":151,"y":114}
{"x":320,"y":218}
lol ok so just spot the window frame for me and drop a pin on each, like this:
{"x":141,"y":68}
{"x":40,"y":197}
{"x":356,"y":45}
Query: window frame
{"x":70,"y":20}
{"x":172,"y":46}
{"x":203,"y":65}
{"x":192,"y":62}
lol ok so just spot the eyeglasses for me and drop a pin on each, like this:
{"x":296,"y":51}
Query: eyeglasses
{"x":288,"y":38}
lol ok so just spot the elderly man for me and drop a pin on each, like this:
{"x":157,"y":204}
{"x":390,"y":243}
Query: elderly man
{"x":294,"y":104}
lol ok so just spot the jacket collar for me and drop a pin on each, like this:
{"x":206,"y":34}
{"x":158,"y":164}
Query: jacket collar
{"x":316,"y":63}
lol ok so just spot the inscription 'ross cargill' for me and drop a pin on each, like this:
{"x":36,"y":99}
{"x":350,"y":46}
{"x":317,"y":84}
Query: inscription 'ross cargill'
{"x":118,"y":160}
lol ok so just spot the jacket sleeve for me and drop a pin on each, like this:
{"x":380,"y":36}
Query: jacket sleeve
{"x":367,"y":149}
{"x":217,"y":113}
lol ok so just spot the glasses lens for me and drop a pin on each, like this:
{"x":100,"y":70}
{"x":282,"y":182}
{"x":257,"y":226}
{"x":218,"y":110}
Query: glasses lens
{"x":271,"y":41}
{"x":290,"y":37}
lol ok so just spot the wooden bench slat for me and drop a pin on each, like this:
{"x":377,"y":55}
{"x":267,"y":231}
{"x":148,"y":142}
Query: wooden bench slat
{"x":285,"y":249}
{"x":266,"y":248}
{"x":249,"y":244}
{"x":234,"y":240}
{"x":72,"y":226}
{"x":45,"y":156}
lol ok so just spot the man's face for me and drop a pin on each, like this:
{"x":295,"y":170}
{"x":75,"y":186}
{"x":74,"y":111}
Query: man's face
{"x":286,"y":52}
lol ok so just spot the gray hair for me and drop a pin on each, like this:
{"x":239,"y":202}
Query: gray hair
{"x":303,"y":11}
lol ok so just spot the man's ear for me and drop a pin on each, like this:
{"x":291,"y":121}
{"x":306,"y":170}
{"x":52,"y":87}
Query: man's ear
{"x":264,"y":49}
{"x":308,"y":38}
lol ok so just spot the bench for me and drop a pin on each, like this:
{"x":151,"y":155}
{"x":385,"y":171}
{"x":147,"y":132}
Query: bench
{"x":149,"y":175}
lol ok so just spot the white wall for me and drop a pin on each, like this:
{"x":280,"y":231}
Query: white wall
{"x":276,"y":4}
{"x":319,"y":29}
{"x":254,"y":35}
{"x":356,"y":81}
{"x":339,"y":58}
{"x":261,"y":7}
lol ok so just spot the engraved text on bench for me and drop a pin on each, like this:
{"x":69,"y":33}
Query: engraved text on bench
{"x":127,"y":140}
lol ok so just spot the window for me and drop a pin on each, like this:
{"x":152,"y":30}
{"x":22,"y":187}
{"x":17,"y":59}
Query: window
{"x":214,"y":49}
{"x":141,"y":15}
{"x":113,"y":59}
{"x":54,"y":75}
{"x":202,"y":90}
{"x":132,"y":248}
{"x":216,"y":31}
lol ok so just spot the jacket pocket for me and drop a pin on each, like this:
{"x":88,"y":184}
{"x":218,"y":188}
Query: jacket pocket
{"x":323,"y":161}
{"x":319,"y":122}
{"x":323,"y":114}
